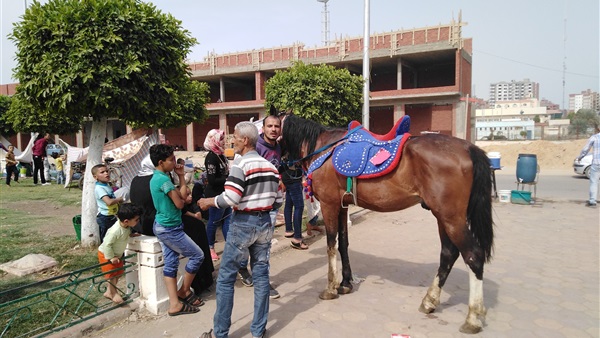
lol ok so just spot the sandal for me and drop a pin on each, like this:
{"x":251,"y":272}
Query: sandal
{"x":185,"y":309}
{"x":207,"y":334}
{"x":192,"y":299}
{"x":311,"y":228}
{"x":289,"y":235}
{"x":299,"y":246}
{"x":213,"y":255}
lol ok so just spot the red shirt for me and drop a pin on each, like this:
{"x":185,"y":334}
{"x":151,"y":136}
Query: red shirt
{"x":39,"y":147}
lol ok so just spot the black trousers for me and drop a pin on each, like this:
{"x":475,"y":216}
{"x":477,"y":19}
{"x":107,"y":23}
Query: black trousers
{"x":38,"y":166}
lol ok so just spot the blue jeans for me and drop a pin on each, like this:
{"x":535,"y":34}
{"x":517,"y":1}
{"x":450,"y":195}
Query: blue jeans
{"x":273,"y":216}
{"x":594,"y":175}
{"x":60,"y":177}
{"x":294,"y":205}
{"x":175,"y":242}
{"x":249,"y":234}
{"x":216,"y":216}
{"x":104,"y":223}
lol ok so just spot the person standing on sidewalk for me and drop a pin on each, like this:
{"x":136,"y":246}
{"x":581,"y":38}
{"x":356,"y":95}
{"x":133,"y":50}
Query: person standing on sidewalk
{"x":217,"y":170}
{"x":39,"y":153}
{"x":593,"y":142}
{"x":268,"y":147}
{"x":253,"y":189}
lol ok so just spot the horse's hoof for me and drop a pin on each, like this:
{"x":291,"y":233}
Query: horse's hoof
{"x":344,"y":290}
{"x":425,"y":309}
{"x":469,"y":328}
{"x":328,"y":295}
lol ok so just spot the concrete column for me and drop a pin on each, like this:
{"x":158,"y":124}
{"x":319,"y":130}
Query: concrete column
{"x":79,"y":139}
{"x":399,"y":73}
{"x":148,"y":280}
{"x":128,"y":129}
{"x":398,"y":111}
{"x":460,"y":118}
{"x":259,"y":81}
{"x":223,"y":123}
{"x":189,"y":137}
{"x":222,"y":90}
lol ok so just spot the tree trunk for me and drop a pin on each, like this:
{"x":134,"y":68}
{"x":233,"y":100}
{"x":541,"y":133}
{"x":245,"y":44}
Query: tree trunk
{"x":90,"y":234}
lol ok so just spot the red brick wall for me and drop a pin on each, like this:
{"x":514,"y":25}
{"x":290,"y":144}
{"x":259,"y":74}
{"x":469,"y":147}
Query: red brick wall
{"x":176,"y":136}
{"x":420,"y":117}
{"x":234,"y":119}
{"x":200,"y":130}
{"x":441,"y":119}
{"x":381,"y":119}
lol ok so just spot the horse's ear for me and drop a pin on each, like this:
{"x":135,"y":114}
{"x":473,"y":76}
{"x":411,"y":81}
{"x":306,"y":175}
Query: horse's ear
{"x":273,"y":111}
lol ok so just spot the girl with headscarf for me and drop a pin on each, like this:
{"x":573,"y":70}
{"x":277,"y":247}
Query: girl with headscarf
{"x":217,"y":170}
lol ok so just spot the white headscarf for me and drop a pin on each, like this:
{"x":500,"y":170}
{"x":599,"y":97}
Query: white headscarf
{"x":147,"y":167}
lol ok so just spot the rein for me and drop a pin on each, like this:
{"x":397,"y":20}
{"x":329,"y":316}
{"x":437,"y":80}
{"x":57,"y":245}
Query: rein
{"x":323,"y":148}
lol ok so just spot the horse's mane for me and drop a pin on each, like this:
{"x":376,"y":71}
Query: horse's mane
{"x":297,"y":132}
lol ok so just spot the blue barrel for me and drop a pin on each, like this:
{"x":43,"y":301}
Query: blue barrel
{"x":526,"y":168}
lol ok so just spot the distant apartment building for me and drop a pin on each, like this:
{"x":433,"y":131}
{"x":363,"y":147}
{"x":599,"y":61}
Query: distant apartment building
{"x":513,"y":90}
{"x":587,"y":99}
{"x":510,"y":118}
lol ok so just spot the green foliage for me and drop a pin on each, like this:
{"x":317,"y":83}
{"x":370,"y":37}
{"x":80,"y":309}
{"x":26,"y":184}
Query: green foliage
{"x":102,"y":58}
{"x":6,"y":128}
{"x":323,"y":93}
{"x":536,"y":119}
{"x":583,"y":120}
{"x":523,"y":134}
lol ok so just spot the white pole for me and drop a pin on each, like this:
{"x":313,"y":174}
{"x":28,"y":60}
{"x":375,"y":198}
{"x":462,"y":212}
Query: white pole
{"x":366,"y":69}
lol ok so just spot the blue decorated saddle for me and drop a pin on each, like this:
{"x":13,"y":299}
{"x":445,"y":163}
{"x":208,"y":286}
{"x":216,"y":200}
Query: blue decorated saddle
{"x":367,"y":155}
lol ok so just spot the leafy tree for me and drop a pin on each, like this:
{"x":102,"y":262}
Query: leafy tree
{"x":582,"y":121}
{"x":6,"y":129}
{"x":536,"y":119}
{"x":98,"y":59}
{"x":523,"y":133}
{"x":325,"y":94}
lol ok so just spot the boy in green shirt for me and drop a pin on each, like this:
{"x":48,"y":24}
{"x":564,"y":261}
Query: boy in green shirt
{"x":168,"y":228}
{"x":115,"y":242}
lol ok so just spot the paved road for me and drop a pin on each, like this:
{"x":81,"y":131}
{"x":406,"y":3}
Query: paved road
{"x":542,"y":282}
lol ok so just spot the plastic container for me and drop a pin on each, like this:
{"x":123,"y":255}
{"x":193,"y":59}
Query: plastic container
{"x":504,"y":196}
{"x":23,"y":172}
{"x":526,"y":168}
{"x":494,"y":159}
{"x":520,"y":197}
{"x":77,"y":226}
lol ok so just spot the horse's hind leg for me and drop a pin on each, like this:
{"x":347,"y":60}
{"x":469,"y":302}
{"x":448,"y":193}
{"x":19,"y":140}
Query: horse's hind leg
{"x":346,"y":284}
{"x":448,"y":256}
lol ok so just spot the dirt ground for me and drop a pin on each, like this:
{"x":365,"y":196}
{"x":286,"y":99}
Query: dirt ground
{"x":551,"y":155}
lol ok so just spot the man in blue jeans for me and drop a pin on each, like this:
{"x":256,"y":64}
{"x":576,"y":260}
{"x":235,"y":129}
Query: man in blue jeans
{"x":252,"y":188}
{"x":268,"y":147}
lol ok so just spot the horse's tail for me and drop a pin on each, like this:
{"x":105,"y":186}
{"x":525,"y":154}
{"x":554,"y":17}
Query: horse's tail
{"x":479,"y":211}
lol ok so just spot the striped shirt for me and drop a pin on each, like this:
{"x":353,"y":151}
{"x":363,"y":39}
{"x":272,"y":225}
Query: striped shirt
{"x":252,"y":185}
{"x":594,"y":142}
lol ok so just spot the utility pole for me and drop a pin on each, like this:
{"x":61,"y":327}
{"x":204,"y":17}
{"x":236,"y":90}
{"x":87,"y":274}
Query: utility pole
{"x":366,"y":69}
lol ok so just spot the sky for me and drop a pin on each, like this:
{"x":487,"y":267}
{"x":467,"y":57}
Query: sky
{"x":512,"y":40}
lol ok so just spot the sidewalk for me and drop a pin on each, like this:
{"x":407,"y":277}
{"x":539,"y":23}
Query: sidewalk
{"x":543,"y":281}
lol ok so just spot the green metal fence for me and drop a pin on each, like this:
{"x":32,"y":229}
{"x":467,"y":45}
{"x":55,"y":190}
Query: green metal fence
{"x":51,"y":305}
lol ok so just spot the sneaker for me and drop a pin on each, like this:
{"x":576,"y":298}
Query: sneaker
{"x":590,"y":204}
{"x":273,"y":294}
{"x":246,"y":277}
{"x":47,"y":183}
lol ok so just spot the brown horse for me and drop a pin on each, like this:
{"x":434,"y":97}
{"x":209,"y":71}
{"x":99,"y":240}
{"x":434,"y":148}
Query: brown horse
{"x":449,"y":176}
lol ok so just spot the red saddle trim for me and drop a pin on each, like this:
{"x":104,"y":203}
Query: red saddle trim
{"x":386,"y":137}
{"x":392,"y":165}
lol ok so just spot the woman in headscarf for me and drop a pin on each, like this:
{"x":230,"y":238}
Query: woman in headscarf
{"x":217,"y":170}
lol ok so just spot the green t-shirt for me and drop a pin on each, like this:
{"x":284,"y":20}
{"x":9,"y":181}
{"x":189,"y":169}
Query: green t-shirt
{"x":167,"y":213}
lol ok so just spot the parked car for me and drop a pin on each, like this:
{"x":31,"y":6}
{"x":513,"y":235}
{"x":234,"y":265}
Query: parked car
{"x":583,"y":167}
{"x":53,"y":148}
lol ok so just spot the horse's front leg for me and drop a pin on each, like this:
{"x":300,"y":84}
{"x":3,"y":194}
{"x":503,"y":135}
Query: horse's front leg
{"x":332,"y":284}
{"x":330,"y":216}
{"x":346,"y":285}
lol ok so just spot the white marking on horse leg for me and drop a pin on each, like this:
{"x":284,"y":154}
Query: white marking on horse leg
{"x":477,"y":312}
{"x":432,"y":297}
{"x":332,"y":272}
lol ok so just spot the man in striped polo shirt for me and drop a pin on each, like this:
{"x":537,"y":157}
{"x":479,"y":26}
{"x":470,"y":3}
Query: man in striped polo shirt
{"x":252,"y":188}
